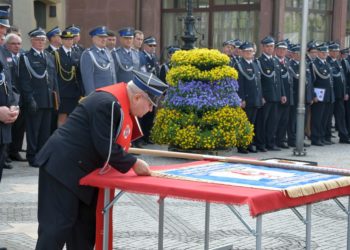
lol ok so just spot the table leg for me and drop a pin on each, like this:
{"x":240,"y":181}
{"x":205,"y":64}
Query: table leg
{"x":308,"y":226}
{"x":258,"y":231}
{"x":206,"y":230}
{"x":161,"y":224}
{"x":106,"y":220}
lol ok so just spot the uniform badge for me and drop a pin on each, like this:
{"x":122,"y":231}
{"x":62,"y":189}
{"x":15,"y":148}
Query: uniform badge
{"x":126,"y":132}
{"x":268,"y":71}
{"x":297,"y":75}
{"x":9,"y":59}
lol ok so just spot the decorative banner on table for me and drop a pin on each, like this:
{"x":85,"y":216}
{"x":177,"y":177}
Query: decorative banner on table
{"x":295,"y":183}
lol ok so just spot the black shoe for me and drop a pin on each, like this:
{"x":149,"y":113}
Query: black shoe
{"x":283,"y":145}
{"x":3,"y":248}
{"x":261,"y":149}
{"x":346,"y":141}
{"x":137,"y":144}
{"x":33,"y":165}
{"x":326,"y":142}
{"x":16,"y":157}
{"x":8,"y":165}
{"x":8,"y":160}
{"x":252,"y":149}
{"x":292,"y":145}
{"x":317,"y":143}
{"x":242,"y":150}
{"x":273,"y":148}
{"x":306,"y":145}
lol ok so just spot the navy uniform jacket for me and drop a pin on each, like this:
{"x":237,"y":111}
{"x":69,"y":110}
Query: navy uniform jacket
{"x":150,"y":62}
{"x":294,"y":72}
{"x":81,"y":145}
{"x":72,"y":88}
{"x":234,"y":60}
{"x":125,"y":63}
{"x":97,"y":69}
{"x":346,"y":67}
{"x":249,"y":82}
{"x":271,"y":81}
{"x":339,"y":82}
{"x":286,"y":80}
{"x":322,"y":78}
{"x":35,"y":87}
{"x":7,"y":97}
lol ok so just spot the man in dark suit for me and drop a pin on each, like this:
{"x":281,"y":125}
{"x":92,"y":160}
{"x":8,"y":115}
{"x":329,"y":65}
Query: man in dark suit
{"x":340,"y":92}
{"x":76,"y":33}
{"x":38,"y":84}
{"x":13,"y":44}
{"x":8,"y":103}
{"x":68,"y":77}
{"x":86,"y":142}
{"x":273,"y":94}
{"x":249,"y":90}
{"x":321,"y":109}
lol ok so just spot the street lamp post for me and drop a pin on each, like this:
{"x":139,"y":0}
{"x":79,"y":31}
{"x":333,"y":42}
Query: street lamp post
{"x":189,"y":37}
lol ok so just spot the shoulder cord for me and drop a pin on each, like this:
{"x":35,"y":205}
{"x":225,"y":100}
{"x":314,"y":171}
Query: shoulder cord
{"x":263,"y":73}
{"x":2,"y":78}
{"x":71,"y":74}
{"x":294,"y":75}
{"x":106,"y":166}
{"x":319,"y":74}
{"x":32,"y":71}
{"x":98,"y":65}
{"x":121,"y":65}
{"x":249,"y":78}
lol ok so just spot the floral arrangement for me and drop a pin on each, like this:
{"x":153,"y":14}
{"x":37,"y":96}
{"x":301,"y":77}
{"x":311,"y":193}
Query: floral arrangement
{"x":202,"y":108}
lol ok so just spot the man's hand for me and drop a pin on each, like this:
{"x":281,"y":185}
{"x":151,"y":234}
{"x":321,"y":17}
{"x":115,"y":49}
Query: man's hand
{"x":141,"y":168}
{"x":283,"y":99}
{"x":8,"y":115}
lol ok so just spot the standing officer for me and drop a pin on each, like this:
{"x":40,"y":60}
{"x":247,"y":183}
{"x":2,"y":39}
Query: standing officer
{"x":273,"y":94}
{"x":68,"y":77}
{"x":8,"y":104}
{"x":340,"y":92}
{"x":126,"y":58}
{"x":90,"y":139}
{"x":148,"y":56}
{"x":164,"y":68}
{"x":96,"y":64}
{"x":75,"y":30}
{"x":111,"y":41}
{"x":249,"y":90}
{"x":321,"y":109}
{"x":346,"y":67}
{"x":294,"y":72}
{"x":38,"y":82}
{"x":54,"y":38}
{"x":13,"y":44}
{"x":283,"y":119}
{"x":138,"y":40}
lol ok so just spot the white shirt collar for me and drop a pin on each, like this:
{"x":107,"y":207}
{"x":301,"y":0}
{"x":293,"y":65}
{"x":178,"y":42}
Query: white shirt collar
{"x":66,"y":49}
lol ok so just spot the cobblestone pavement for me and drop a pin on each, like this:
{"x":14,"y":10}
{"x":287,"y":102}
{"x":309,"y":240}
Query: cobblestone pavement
{"x":136,"y":216}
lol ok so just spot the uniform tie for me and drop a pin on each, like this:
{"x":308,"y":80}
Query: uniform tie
{"x":68,"y":54}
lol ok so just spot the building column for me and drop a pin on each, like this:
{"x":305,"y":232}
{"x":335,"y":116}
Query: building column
{"x":339,"y":21}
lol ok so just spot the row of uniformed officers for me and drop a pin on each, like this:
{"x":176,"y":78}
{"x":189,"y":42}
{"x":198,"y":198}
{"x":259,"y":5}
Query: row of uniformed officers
{"x":269,"y":89}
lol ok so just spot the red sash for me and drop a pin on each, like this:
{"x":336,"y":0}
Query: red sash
{"x":129,"y":129}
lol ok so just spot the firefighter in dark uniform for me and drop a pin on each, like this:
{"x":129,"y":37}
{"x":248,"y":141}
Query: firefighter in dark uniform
{"x":340,"y":92}
{"x":164,"y":68}
{"x":321,"y":109}
{"x":273,"y":94}
{"x":75,"y":30}
{"x":86,"y":142}
{"x":8,"y":103}
{"x":284,"y":108}
{"x":346,"y":67}
{"x":38,"y":81}
{"x":126,"y":58}
{"x":96,"y":63}
{"x":294,"y":72}
{"x":54,"y":38}
{"x":227,"y":49}
{"x":149,"y":60}
{"x":249,"y":90}
{"x":68,"y":77}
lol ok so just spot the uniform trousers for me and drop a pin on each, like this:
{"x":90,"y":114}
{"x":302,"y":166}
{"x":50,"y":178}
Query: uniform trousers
{"x":2,"y":158}
{"x":347,"y":114}
{"x":63,"y":218}
{"x":339,"y":116}
{"x":251,"y":113}
{"x":320,"y":115}
{"x":267,"y":125}
{"x":38,"y":126}
{"x":17,"y":132}
{"x":146,"y":123}
{"x":282,"y":123}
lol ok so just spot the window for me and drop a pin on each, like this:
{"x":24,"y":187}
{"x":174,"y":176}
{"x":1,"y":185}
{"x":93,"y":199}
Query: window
{"x":347,"y":34}
{"x":40,"y":14}
{"x":319,"y":22}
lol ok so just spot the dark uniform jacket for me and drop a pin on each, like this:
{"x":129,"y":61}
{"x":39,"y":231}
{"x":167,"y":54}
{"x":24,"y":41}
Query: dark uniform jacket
{"x":64,"y":64}
{"x":322,"y":79}
{"x":271,"y":82}
{"x":40,"y":89}
{"x":339,"y":82}
{"x":286,"y":80}
{"x":7,"y":97}
{"x":249,"y":83}
{"x":150,"y":62}
{"x":81,"y":145}
{"x":294,"y":71}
